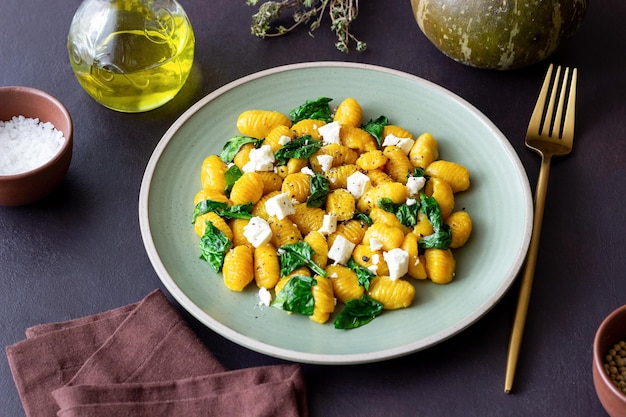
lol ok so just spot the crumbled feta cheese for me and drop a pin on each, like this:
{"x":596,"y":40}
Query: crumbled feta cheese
{"x":411,"y":201}
{"x":341,"y":250}
{"x":375,"y":244}
{"x":390,"y":140}
{"x":415,"y":184}
{"x":398,"y":262}
{"x":265,"y":296}
{"x":375,"y":259}
{"x":357,"y":183}
{"x":330,"y":133}
{"x":403,"y":143}
{"x":325,"y":161}
{"x":307,"y":171}
{"x":283,"y":140}
{"x":261,"y":159}
{"x":257,"y":231}
{"x":329,"y":224}
{"x":373,"y":269}
{"x":279,"y":206}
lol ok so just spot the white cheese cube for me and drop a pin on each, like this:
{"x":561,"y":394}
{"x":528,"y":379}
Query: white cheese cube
{"x":374,"y":267}
{"x":279,"y":206}
{"x":283,"y":140}
{"x":415,"y":184}
{"x":329,"y":224}
{"x":261,"y":159}
{"x":411,"y":202}
{"x":376,"y":244}
{"x":403,"y":143}
{"x":307,"y":171}
{"x":357,"y":183}
{"x":341,"y":250}
{"x":265,"y":296}
{"x":330,"y":133}
{"x":325,"y":161}
{"x":398,"y":262}
{"x":257,"y":231}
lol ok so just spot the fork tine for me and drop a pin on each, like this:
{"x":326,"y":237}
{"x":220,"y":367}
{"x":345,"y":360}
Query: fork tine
{"x":534,"y":126}
{"x":558,"y":119}
{"x":549,"y":121}
{"x":568,"y":125}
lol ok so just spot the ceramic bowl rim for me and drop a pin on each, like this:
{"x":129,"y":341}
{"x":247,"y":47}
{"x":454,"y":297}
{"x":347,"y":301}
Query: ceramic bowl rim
{"x":598,"y":356}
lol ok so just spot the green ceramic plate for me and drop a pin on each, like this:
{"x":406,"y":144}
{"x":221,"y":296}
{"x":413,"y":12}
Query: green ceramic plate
{"x":499,"y":202}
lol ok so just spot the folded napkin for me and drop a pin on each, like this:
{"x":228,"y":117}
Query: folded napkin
{"x":142,"y":360}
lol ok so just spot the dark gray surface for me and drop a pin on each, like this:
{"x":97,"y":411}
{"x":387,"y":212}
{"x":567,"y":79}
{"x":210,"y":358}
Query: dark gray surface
{"x":80,"y":251}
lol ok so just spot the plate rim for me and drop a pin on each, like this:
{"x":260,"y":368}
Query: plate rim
{"x":324,"y":358}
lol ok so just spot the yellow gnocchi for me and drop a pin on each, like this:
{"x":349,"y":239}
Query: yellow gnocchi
{"x":324,"y":205}
{"x":393,"y":294}
{"x":238,"y":270}
{"x":259,"y":123}
{"x":349,"y":113}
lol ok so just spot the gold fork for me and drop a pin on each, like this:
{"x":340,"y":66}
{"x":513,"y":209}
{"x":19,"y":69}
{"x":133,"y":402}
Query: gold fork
{"x":550,"y":133}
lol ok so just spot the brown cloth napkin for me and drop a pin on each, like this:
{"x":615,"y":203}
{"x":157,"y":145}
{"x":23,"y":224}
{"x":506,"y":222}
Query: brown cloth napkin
{"x":142,"y":360}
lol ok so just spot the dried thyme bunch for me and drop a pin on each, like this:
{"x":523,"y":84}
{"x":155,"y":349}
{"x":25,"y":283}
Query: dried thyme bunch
{"x":342,"y":14}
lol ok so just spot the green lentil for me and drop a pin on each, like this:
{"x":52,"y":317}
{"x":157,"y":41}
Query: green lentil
{"x":615,"y":365}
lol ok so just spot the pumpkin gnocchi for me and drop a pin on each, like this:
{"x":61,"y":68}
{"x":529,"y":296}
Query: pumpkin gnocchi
{"x":333,"y":210}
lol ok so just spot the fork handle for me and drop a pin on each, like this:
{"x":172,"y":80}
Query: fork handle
{"x":527,"y":278}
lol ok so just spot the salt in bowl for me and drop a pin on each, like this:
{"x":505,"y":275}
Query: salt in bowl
{"x":17,"y":189}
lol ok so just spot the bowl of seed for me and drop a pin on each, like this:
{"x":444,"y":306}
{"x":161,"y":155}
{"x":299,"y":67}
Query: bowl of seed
{"x":35,"y":144}
{"x":609,"y":363}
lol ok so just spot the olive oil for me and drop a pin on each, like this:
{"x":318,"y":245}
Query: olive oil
{"x":138,"y":60}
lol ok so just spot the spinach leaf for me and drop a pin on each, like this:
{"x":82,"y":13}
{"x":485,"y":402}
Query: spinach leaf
{"x":407,"y":214}
{"x":232,"y":146}
{"x":295,"y":255}
{"x":417,"y":172}
{"x":320,"y":187}
{"x":363,"y":217}
{"x":375,"y":128}
{"x":363,"y":275}
{"x":442,"y":236}
{"x":441,"y":239}
{"x":296,"y":296}
{"x":317,"y":109}
{"x":231,"y":176}
{"x":302,"y":147}
{"x":213,"y":246}
{"x":205,"y":206}
{"x":237,"y":211}
{"x":358,"y":312}
{"x":387,"y":204}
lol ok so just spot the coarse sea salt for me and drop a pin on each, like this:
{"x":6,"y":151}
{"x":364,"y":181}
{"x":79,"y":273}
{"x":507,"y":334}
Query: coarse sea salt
{"x":26,"y":144}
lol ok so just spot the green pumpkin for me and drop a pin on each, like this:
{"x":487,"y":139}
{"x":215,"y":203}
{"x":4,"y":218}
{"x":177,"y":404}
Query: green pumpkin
{"x":498,"y":34}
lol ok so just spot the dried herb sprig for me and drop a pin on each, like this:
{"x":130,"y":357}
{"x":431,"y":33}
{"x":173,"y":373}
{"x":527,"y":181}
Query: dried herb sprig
{"x":342,"y":13}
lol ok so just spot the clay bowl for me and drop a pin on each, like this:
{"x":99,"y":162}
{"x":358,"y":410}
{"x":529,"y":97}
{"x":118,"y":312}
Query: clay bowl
{"x":31,"y":186}
{"x":611,"y":331}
